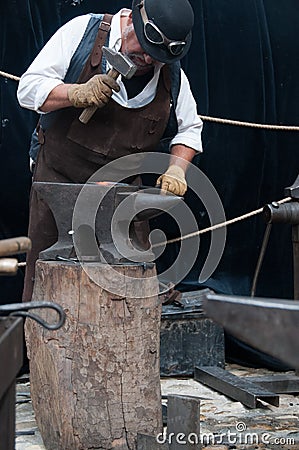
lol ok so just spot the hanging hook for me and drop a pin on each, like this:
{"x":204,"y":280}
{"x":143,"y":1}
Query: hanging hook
{"x":21,"y":310}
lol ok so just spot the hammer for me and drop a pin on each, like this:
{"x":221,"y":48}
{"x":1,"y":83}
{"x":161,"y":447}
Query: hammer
{"x":121,"y":65}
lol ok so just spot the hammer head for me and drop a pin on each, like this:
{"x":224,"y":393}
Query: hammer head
{"x":120,"y":62}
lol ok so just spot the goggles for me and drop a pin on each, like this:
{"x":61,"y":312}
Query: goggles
{"x":155,"y":36}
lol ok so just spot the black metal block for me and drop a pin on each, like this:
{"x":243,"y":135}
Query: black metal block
{"x":189,"y":338}
{"x":11,"y":357}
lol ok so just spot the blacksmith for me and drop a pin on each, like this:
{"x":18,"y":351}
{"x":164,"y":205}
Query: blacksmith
{"x":70,"y":74}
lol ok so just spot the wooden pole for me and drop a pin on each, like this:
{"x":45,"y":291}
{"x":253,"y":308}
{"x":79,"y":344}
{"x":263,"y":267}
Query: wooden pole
{"x":95,"y":383}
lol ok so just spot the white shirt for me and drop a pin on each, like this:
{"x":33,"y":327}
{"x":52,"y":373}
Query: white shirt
{"x":49,"y":68}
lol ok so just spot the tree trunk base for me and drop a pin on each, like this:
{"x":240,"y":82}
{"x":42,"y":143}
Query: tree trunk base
{"x":95,"y":383}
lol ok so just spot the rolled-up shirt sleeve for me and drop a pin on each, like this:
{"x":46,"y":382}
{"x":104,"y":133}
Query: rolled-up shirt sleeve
{"x":50,"y":66}
{"x":189,"y":123}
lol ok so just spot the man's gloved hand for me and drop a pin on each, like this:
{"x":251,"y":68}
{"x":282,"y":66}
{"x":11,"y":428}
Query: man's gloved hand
{"x":95,"y":92}
{"x":173,"y":180}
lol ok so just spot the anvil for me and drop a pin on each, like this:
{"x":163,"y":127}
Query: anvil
{"x":96,"y":221}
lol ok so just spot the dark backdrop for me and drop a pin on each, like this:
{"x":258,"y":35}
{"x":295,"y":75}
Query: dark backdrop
{"x":244,"y":65}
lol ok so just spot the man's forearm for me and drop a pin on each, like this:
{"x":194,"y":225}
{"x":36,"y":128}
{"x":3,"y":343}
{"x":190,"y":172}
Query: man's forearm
{"x":173,"y":180}
{"x":181,"y":156}
{"x":57,"y":99}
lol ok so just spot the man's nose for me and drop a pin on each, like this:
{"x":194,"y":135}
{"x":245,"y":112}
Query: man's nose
{"x":147,"y":58}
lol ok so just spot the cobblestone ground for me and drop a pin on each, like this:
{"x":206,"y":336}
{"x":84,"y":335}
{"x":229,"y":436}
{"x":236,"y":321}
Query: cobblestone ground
{"x":226,"y":424}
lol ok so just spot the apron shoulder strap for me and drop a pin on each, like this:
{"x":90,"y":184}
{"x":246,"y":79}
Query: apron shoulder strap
{"x":93,"y":63}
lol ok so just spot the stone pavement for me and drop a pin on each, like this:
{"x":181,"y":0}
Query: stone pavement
{"x":225,"y":424}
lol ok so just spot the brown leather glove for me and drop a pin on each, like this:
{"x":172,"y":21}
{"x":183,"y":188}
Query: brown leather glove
{"x":95,"y":92}
{"x":173,"y":180}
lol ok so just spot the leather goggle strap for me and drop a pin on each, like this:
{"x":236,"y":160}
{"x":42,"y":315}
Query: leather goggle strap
{"x":93,"y":63}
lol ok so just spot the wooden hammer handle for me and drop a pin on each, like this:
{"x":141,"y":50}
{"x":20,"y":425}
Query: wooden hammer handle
{"x":14,"y":246}
{"x":8,"y":266}
{"x":87,"y":114}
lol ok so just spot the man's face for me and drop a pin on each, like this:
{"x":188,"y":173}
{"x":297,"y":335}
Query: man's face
{"x":130,"y":47}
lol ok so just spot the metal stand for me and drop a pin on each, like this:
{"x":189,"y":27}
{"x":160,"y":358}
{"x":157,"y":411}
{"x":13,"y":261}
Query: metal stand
{"x":11,"y":357}
{"x":269,"y":325}
{"x":288,"y":213}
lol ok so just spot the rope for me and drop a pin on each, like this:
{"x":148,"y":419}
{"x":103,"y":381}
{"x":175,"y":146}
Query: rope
{"x":212,"y":119}
{"x":250,"y":124}
{"x":219,"y":225}
{"x":8,"y":75}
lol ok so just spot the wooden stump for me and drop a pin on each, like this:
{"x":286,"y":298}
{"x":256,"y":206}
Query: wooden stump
{"x":95,"y":383}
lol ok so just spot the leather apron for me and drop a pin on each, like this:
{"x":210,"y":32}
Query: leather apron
{"x":71,"y":151}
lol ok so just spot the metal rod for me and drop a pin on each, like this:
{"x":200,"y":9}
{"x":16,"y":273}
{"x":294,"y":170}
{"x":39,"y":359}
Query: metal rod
{"x":261,"y":258}
{"x":234,"y":387}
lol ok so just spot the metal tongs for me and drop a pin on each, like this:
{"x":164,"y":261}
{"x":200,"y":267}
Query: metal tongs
{"x":21,"y":310}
